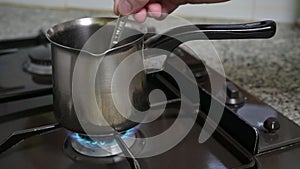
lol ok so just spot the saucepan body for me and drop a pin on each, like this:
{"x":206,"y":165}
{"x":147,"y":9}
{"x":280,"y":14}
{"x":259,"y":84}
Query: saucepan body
{"x":84,"y":66}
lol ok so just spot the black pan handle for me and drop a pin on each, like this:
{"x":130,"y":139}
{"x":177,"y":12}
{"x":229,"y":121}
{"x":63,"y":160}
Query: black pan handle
{"x":21,"y":135}
{"x":39,"y":39}
{"x":174,"y":37}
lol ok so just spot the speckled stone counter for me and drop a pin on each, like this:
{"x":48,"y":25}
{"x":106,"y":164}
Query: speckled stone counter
{"x":269,"y":69}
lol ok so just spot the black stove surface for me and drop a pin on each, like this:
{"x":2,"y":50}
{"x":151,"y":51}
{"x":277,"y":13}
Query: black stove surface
{"x":20,"y":88}
{"x":46,"y":151}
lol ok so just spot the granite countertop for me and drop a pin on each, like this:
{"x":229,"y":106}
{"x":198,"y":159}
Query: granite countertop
{"x":269,"y":69}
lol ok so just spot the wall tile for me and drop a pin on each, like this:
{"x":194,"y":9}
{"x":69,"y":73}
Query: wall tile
{"x":50,"y":3}
{"x":235,"y":9}
{"x":279,"y":10}
{"x":90,"y":4}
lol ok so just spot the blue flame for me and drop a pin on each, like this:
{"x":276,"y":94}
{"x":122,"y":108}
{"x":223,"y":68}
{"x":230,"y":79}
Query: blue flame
{"x":92,"y":143}
{"x":129,"y":132}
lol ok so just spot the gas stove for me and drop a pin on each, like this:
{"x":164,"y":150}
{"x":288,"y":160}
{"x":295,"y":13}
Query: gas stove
{"x":250,"y":133}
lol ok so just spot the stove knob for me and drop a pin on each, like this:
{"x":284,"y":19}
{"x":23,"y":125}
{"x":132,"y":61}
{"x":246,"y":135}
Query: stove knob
{"x":271,"y":124}
{"x":234,"y":96}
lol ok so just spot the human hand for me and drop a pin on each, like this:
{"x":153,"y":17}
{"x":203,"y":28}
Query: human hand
{"x":153,"y":8}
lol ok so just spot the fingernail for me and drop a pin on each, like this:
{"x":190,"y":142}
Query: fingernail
{"x":125,"y":7}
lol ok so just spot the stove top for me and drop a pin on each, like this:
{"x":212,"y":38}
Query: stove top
{"x":53,"y":150}
{"x":250,"y":134}
{"x":19,"y":85}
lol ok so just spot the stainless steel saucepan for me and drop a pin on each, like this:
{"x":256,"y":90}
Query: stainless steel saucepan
{"x":69,"y":38}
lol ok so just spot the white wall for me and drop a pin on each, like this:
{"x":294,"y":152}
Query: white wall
{"x":279,"y":10}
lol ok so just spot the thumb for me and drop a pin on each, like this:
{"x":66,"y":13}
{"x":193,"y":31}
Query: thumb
{"x":126,"y":7}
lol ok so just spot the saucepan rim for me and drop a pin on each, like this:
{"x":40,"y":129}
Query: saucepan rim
{"x":87,"y":21}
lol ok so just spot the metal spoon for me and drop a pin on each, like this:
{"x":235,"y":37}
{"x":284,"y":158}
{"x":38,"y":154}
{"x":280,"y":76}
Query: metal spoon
{"x":134,"y":164}
{"x":121,"y":22}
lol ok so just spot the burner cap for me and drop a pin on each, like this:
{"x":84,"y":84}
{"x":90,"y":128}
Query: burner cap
{"x":104,"y":149}
{"x":39,"y":62}
{"x":101,"y":146}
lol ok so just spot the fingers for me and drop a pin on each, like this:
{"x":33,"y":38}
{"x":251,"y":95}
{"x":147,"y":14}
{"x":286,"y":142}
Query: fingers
{"x":127,"y":7}
{"x":154,"y":10}
{"x":168,"y":7}
{"x":116,"y":3}
{"x":142,"y":8}
{"x":141,"y":15}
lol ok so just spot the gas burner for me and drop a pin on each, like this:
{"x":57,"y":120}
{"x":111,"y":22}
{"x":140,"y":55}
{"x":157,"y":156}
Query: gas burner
{"x":101,"y":146}
{"x":39,"y":64}
{"x":104,"y":148}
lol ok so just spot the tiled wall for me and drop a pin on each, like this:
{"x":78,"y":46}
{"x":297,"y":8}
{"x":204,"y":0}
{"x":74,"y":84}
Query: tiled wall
{"x":279,"y":10}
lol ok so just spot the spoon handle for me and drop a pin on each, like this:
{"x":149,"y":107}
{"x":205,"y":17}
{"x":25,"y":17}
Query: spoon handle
{"x":121,"y":22}
{"x":130,"y":157}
